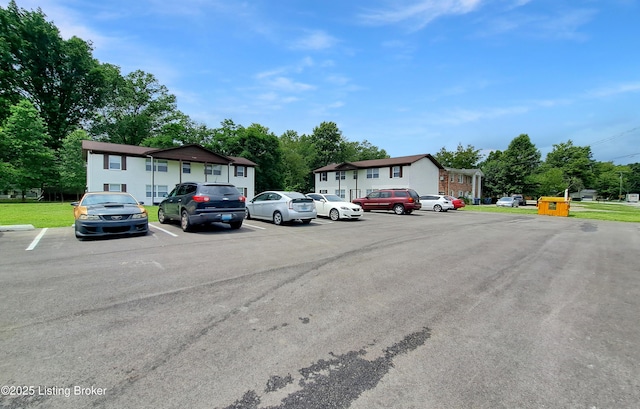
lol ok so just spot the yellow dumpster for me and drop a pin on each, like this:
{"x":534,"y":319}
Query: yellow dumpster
{"x":553,"y":206}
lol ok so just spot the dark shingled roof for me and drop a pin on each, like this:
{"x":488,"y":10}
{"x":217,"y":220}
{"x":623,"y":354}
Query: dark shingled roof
{"x":189,"y":153}
{"x":378,"y":163}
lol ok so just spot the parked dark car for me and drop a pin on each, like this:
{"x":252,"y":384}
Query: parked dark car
{"x":401,"y":201}
{"x":100,"y":214}
{"x":200,"y":203}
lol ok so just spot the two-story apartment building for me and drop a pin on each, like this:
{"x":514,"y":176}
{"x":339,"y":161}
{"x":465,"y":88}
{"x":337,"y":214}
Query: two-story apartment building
{"x":350,"y":180}
{"x":151,"y":173}
{"x":423,"y":173}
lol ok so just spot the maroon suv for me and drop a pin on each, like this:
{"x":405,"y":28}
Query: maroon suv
{"x":401,"y":201}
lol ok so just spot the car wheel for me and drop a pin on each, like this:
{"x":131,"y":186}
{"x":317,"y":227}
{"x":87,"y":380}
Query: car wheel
{"x":334,"y":215}
{"x":247,"y":215}
{"x":235,"y":225}
{"x":277,"y":218}
{"x":184,"y":221}
{"x":306,"y":221}
{"x":398,"y":209}
{"x":162,"y":218}
{"x":437,"y":208}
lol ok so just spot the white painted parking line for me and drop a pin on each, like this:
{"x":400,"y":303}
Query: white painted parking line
{"x":35,"y":241}
{"x":254,"y":227}
{"x":163,"y":230}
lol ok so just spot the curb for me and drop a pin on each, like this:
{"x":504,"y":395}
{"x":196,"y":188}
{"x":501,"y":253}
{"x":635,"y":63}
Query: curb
{"x":17,"y":227}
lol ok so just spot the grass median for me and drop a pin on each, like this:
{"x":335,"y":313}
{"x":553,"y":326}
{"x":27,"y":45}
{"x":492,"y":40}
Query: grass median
{"x":46,"y":214}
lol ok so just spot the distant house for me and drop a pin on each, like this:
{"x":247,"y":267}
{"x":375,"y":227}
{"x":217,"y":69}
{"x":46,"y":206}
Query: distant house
{"x":149,"y":174}
{"x":465,"y":183}
{"x":423,"y":173}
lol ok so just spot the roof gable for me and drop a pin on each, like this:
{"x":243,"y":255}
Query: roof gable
{"x":379,"y":163}
{"x":187,"y":153}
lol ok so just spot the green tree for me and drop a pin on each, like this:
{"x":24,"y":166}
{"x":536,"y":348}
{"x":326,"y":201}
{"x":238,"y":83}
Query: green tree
{"x":548,"y":181}
{"x":462,"y":158}
{"x":576,"y":165}
{"x":521,"y":161}
{"x":261,"y":146}
{"x":28,"y":158}
{"x":366,"y":151}
{"x":59,"y":77}
{"x":138,"y":108}
{"x":295,"y":167}
{"x":329,"y":145}
{"x":495,"y":174}
{"x":71,"y":165}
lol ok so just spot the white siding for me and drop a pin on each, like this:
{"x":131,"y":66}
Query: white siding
{"x":136,"y":177}
{"x":422,"y":176}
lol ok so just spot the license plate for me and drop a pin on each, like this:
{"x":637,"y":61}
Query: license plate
{"x":226,"y":217}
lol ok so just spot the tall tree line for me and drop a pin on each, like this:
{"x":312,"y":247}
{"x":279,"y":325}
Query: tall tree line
{"x":54,"y":94}
{"x":519,"y":169}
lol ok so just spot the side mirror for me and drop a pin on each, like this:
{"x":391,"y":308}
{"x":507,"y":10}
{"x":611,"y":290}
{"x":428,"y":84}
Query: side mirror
{"x":141,"y":203}
{"x":74,"y":204}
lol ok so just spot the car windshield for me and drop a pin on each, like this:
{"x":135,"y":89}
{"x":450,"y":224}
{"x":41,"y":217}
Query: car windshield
{"x":90,"y":200}
{"x":505,"y":199}
{"x":333,"y":198}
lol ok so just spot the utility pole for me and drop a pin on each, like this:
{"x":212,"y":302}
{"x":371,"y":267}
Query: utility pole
{"x":620,"y":194}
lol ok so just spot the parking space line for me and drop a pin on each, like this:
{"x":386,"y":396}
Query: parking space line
{"x":254,"y":227}
{"x":163,"y":230}
{"x":35,"y":241}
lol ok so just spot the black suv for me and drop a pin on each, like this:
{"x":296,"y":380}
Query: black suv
{"x":199,"y":203}
{"x":401,"y":201}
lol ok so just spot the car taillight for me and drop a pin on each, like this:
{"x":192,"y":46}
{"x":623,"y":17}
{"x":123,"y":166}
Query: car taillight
{"x":242,"y":198}
{"x":410,"y":200}
{"x":200,"y":199}
{"x":290,"y":204}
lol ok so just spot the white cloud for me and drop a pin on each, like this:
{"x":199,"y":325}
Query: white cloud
{"x":316,"y":40}
{"x":614,"y":90}
{"x":420,"y":12}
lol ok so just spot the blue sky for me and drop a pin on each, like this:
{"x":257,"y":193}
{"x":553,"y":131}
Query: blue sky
{"x":409,"y":76}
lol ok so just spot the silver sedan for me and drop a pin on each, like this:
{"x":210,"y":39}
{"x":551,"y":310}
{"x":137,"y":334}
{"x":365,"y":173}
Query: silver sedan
{"x":281,"y":207}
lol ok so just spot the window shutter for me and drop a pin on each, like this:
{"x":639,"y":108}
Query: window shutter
{"x":123,"y":187}
{"x":235,"y":170}
{"x":401,"y":167}
{"x":105,"y":187}
{"x":391,"y":172}
{"x":124,"y":162}
{"x":105,"y":161}
{"x":246,"y":170}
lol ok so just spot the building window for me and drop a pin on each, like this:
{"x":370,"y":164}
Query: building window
{"x":323,"y":176}
{"x":355,"y":174}
{"x":217,"y":170}
{"x":115,"y":163}
{"x":324,"y":191}
{"x":341,"y":193}
{"x":186,"y":167}
{"x":113,"y":187}
{"x":373,"y":173}
{"x":341,"y":175}
{"x":240,"y":171}
{"x":159,"y":165}
{"x":452,"y":178}
{"x":161,"y":191}
{"x":460,"y":179}
{"x":208,"y":169}
{"x":396,"y":172}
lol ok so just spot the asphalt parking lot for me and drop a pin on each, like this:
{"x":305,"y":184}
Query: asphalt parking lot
{"x":429,"y":310}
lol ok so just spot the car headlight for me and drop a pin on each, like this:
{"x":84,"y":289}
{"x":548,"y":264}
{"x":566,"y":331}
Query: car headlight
{"x":89,"y":217}
{"x":139,"y":216}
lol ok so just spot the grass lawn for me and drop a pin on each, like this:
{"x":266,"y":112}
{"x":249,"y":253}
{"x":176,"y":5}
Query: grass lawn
{"x":43,"y":214}
{"x":580,"y":210}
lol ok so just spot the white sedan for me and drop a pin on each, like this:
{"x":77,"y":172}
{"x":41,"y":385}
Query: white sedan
{"x":335,"y":207}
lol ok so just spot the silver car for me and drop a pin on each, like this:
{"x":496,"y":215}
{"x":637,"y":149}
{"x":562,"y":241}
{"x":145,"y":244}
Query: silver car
{"x":507,"y":202}
{"x":437,"y":203}
{"x":281,"y":207}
